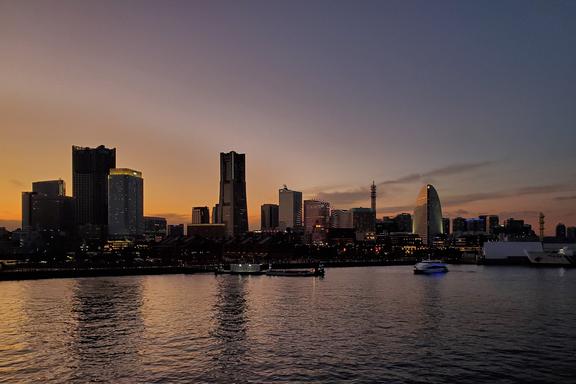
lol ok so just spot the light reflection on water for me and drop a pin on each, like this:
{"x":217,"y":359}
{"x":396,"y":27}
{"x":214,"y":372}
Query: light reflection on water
{"x":474,"y":324}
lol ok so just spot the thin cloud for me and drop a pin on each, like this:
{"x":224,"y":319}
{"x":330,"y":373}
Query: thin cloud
{"x":17,"y":183}
{"x":439,"y":172}
{"x":395,"y":209}
{"x":452,"y":201}
{"x":510,"y":214}
{"x":524,"y":191}
{"x":174,"y":218}
{"x":564,"y":198}
{"x":362,"y":194}
{"x":346,"y":197}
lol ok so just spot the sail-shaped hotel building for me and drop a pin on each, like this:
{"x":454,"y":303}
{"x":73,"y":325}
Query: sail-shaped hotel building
{"x":427,"y":215}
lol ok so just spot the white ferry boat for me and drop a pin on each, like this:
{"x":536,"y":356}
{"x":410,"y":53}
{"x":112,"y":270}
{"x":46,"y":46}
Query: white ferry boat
{"x":241,"y":269}
{"x":561,"y":257}
{"x":426,"y":267}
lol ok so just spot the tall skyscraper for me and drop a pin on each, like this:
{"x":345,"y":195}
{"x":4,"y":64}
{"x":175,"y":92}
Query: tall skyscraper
{"x":428,"y":214}
{"x":290,"y":209}
{"x":233,"y":209}
{"x":269,"y":217}
{"x":90,"y":168}
{"x":316,"y":215}
{"x":125,"y":203}
{"x":200,"y":215}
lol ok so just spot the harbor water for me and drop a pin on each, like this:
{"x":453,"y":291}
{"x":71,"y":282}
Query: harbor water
{"x":373,"y":324}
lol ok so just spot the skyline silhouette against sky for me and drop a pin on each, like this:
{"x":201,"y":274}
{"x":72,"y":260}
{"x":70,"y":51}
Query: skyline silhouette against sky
{"x":476,"y":98}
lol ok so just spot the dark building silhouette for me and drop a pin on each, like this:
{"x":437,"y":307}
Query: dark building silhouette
{"x":386,"y":226}
{"x":269,"y":217}
{"x":446,"y":225}
{"x":27,"y":201}
{"x":399,"y":223}
{"x":492,"y":223}
{"x":154,"y":227}
{"x":458,"y":225}
{"x":176,"y":230}
{"x":403,"y":222}
{"x":90,"y":169}
{"x":207,"y":231}
{"x":571,"y":233}
{"x":560,"y":231}
{"x":373,"y":198}
{"x":233,"y":209}
{"x":47,"y":208}
{"x":200,"y":215}
{"x":216,"y":214}
{"x":517,"y":230}
{"x":475,"y":225}
{"x":363,"y":221}
{"x":50,"y":188}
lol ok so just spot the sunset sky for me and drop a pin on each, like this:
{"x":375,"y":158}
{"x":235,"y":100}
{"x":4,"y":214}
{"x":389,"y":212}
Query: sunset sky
{"x":478,"y":98}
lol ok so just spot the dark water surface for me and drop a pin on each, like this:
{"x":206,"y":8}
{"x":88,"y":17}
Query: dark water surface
{"x":378,"y":324}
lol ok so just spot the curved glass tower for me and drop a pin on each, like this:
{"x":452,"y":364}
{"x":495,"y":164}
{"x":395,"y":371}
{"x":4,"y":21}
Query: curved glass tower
{"x":427,"y":214}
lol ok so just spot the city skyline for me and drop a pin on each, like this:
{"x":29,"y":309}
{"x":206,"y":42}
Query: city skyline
{"x":324,"y":97}
{"x":255,"y":219}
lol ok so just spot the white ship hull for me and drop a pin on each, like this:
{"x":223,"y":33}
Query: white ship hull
{"x":428,"y":267}
{"x":548,"y":258}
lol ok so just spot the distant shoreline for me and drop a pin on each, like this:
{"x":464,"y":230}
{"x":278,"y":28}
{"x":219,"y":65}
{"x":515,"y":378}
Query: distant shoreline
{"x":67,"y":273}
{"x":63,"y":273}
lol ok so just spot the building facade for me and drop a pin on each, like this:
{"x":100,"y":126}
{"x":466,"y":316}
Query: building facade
{"x":341,"y":218}
{"x":47,"y":208}
{"x":364,"y":222}
{"x":289,"y":209}
{"x":560,"y":231}
{"x":427,"y":219}
{"x":269,"y":217}
{"x":316,"y":215}
{"x":154,"y":227}
{"x":125,"y":203}
{"x":446,"y":226}
{"x":90,"y":169}
{"x":176,"y":230}
{"x":233,"y":211}
{"x":200,"y":215}
{"x":403,"y":222}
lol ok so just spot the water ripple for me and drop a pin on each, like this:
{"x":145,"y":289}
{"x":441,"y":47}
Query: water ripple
{"x":360,"y":325}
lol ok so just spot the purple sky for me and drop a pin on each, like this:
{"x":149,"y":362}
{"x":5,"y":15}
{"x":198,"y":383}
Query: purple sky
{"x":325,"y":96}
